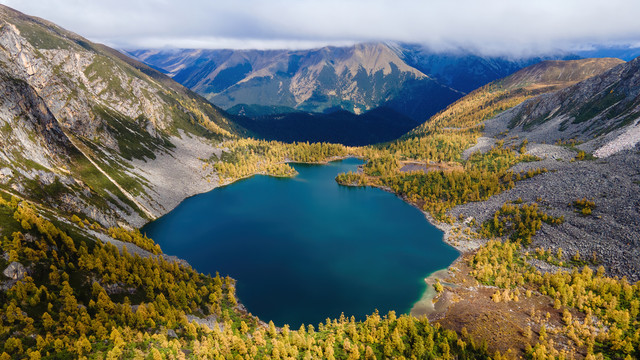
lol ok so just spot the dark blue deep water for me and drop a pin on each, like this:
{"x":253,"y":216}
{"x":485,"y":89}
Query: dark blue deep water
{"x":306,"y":248}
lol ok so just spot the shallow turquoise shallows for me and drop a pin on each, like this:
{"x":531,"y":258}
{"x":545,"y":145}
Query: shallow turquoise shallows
{"x":306,"y":248}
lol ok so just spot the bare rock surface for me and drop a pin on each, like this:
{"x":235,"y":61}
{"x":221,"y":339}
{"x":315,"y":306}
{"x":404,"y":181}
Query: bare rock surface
{"x":15,"y":271}
{"x":210,"y":321}
{"x":483,"y":145}
{"x":177,"y":174}
{"x":553,"y":152}
{"x":610,"y":232}
{"x":65,"y":101}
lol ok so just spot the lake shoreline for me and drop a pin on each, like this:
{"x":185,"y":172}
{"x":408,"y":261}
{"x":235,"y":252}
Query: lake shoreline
{"x":418,"y":249}
{"x":426,"y":306}
{"x":322,"y":162}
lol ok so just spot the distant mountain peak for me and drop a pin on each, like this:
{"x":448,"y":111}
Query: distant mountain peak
{"x":357,"y":78}
{"x":374,"y":57}
{"x":405,"y":77}
{"x":563,"y":72}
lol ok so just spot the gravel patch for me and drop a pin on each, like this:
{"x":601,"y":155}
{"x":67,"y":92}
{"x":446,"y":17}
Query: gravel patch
{"x":544,"y":266}
{"x":611,"y":232}
{"x":551,"y":152}
{"x":176,"y":175}
{"x":210,"y":321}
{"x":483,"y":145}
{"x":626,"y":140}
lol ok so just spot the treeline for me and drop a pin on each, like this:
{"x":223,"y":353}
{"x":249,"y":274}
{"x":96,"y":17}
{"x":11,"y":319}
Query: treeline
{"x":447,"y":134}
{"x":443,"y":146}
{"x":246,"y":157}
{"x":135,"y":237}
{"x":483,"y":176}
{"x":468,"y":112}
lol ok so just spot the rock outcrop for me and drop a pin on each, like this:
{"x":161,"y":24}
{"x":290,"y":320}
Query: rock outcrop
{"x":15,"y":271}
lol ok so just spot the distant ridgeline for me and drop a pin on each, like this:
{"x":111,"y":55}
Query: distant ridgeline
{"x":357,"y":95}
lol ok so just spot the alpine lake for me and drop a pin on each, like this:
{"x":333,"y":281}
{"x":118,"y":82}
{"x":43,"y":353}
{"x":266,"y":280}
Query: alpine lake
{"x":305,"y":249}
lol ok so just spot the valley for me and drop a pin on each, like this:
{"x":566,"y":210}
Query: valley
{"x":532,"y":177}
{"x":359,"y":95}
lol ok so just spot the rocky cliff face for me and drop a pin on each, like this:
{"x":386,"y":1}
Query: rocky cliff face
{"x":86,"y":127}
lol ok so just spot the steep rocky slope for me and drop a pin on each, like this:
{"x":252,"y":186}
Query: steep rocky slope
{"x":356,"y":79}
{"x":599,"y":117}
{"x":558,"y":74}
{"x":541,"y":78}
{"x":601,"y":112}
{"x":95,"y":131}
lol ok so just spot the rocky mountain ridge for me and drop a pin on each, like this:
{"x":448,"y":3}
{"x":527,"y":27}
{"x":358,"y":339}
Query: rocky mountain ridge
{"x":407,"y":78}
{"x":586,"y":135}
{"x":90,"y":126}
{"x":600,"y":114}
{"x":463,"y":70}
{"x":356,"y":79}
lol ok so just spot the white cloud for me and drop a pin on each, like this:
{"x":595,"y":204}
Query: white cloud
{"x":209,"y":42}
{"x":491,"y":26}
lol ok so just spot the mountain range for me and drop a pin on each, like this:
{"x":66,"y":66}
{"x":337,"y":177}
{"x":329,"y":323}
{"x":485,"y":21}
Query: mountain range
{"x":357,"y":79}
{"x":407,"y":78}
{"x":533,"y":177}
{"x":357,"y":95}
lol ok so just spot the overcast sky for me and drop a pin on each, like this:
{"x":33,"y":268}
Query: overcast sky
{"x":514,"y":27}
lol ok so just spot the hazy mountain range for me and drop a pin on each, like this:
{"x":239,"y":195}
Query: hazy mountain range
{"x":404,"y":77}
{"x":356,"y":95}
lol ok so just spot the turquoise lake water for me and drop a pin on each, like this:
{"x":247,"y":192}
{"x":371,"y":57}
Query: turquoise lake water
{"x":304,"y":249}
